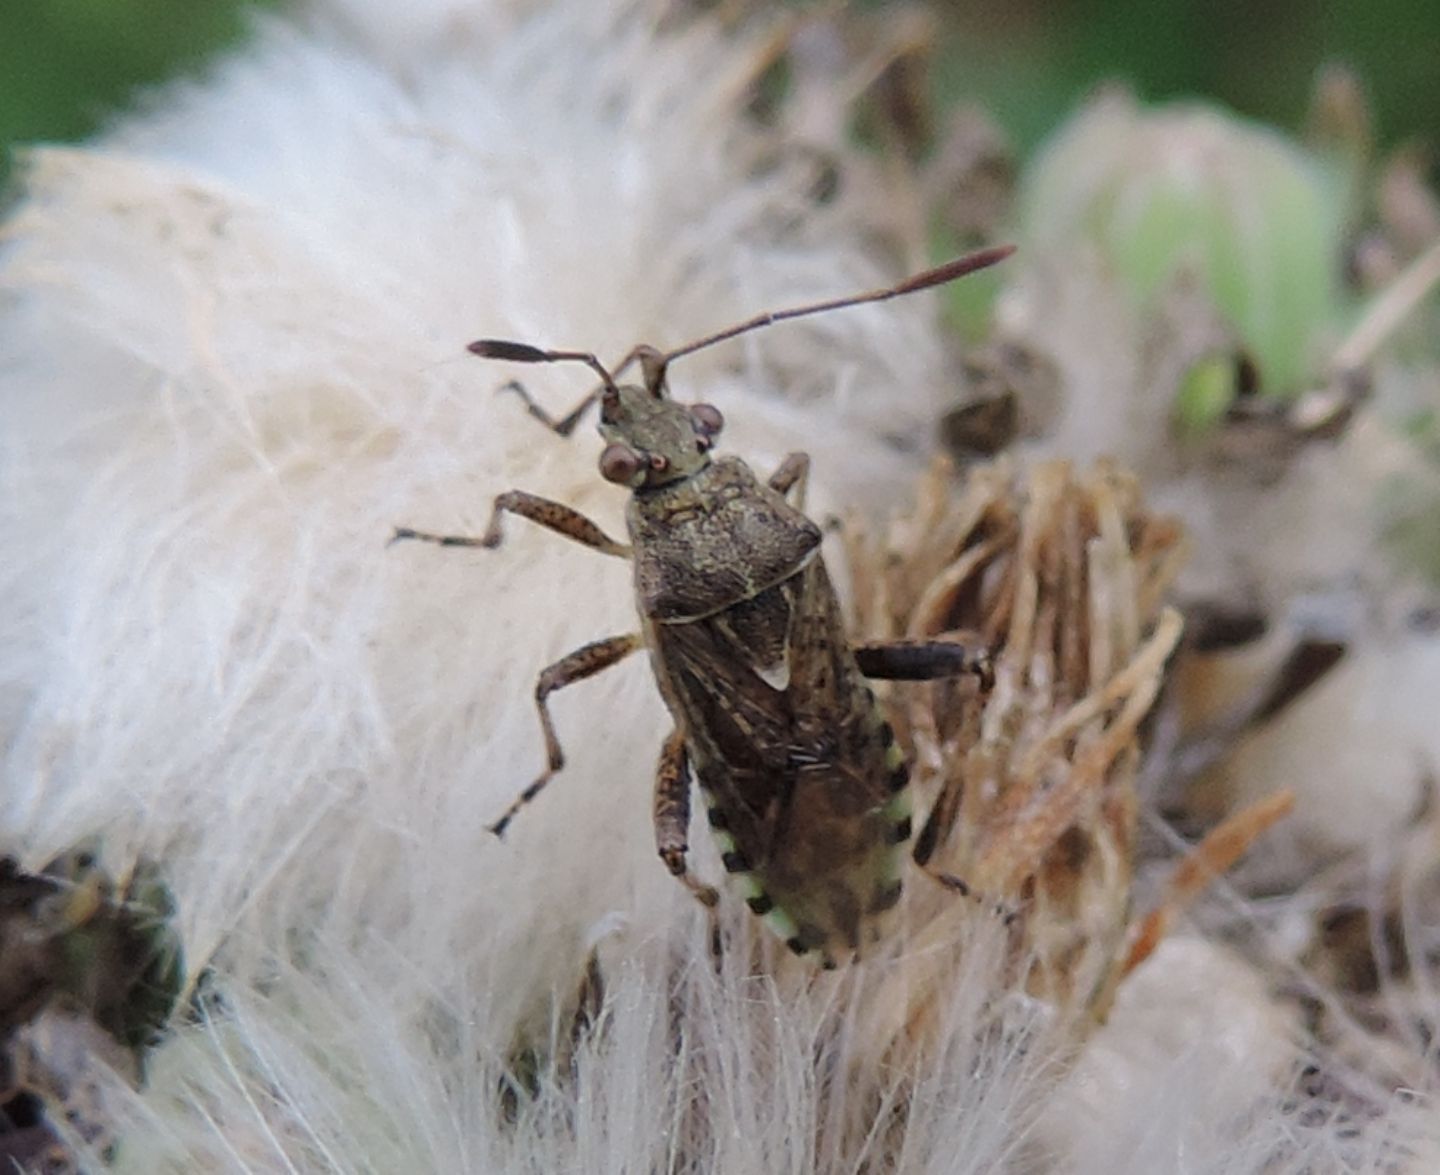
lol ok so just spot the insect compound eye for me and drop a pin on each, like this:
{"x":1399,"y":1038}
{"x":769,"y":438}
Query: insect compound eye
{"x":707,"y":421}
{"x":622,"y":465}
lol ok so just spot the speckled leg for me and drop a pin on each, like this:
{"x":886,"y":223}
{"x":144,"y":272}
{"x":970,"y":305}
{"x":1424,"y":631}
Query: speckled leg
{"x":554,"y":516}
{"x":582,"y":663}
{"x":672,"y":816}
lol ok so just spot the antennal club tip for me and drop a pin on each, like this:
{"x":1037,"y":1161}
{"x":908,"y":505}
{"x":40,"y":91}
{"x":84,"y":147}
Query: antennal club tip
{"x":969,"y":263}
{"x":504,"y":349}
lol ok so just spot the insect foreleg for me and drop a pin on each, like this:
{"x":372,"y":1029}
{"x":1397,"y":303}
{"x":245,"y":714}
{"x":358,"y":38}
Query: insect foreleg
{"x":582,"y":663}
{"x":565,"y":425}
{"x":672,"y":816}
{"x":924,"y":661}
{"x":554,"y":516}
{"x":792,"y":473}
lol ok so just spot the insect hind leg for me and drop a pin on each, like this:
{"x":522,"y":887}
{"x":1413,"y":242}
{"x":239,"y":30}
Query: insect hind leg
{"x":582,"y":663}
{"x":672,"y":817}
{"x":958,"y":885}
{"x":924,"y":849}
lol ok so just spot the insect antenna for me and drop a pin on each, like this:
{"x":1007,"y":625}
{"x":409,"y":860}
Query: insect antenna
{"x":525,"y":353}
{"x":939,"y":276}
{"x":655,"y":363}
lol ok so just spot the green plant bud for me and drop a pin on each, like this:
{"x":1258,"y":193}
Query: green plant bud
{"x":1253,"y":216}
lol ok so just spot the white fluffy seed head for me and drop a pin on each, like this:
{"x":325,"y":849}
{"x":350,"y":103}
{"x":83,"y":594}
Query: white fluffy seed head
{"x":235,"y":361}
{"x":233,"y":339}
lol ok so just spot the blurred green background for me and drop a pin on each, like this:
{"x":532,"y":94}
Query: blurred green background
{"x":65,"y":64}
{"x":1031,"y":59}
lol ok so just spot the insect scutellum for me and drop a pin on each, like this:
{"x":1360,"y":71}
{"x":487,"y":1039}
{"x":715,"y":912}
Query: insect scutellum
{"x":805,"y":787}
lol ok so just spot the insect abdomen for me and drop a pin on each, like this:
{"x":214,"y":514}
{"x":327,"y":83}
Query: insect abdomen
{"x":804,"y":784}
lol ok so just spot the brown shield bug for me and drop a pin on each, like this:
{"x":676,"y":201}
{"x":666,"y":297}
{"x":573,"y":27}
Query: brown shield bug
{"x":805,"y":787}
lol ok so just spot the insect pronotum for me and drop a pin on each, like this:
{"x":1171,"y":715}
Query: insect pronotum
{"x":804,"y":785}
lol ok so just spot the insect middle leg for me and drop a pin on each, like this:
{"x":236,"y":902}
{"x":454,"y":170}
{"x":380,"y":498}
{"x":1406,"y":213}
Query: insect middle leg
{"x":672,"y":816}
{"x":582,"y":663}
{"x":556,"y":516}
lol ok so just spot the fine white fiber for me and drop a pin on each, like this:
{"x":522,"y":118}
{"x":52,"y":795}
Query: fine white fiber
{"x":231,"y":362}
{"x":234,"y":361}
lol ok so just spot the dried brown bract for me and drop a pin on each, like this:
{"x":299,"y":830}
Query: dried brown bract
{"x":1030,"y":793}
{"x":1064,"y":576}
{"x":1032,"y":790}
{"x":89,"y":972}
